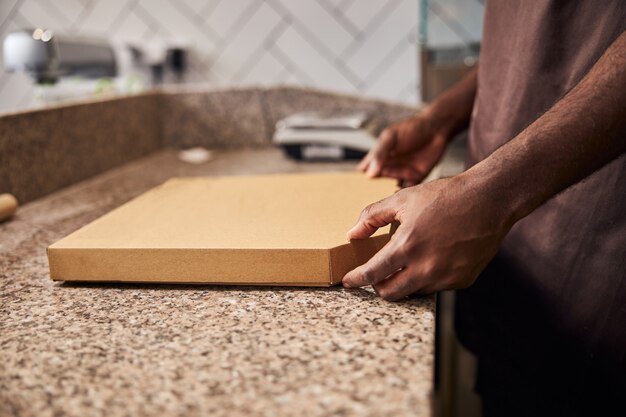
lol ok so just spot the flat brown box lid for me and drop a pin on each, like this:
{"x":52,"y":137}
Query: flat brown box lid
{"x":264,"y":230}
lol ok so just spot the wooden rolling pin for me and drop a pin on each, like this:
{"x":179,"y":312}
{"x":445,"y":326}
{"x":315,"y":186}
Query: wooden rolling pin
{"x":8,"y":206}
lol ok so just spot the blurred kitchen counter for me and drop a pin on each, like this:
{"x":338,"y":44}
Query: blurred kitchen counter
{"x":116,"y":350}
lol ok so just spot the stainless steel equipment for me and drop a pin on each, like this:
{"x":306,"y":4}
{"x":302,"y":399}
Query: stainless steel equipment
{"x":47,"y":56}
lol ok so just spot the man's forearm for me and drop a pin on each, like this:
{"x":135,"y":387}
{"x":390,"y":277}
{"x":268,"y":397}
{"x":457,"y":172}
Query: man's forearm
{"x":581,"y":133}
{"x":452,"y":110}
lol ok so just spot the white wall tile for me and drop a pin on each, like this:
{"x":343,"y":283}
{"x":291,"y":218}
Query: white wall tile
{"x":354,"y":46}
{"x":321,"y":24}
{"x":311,"y":62}
{"x":35,"y":14}
{"x":393,"y":80}
{"x":173,"y":21}
{"x":6,"y":6}
{"x":361,"y":13}
{"x":102,"y":16}
{"x":131,"y":29}
{"x":264,"y":71}
{"x":376,"y":44}
{"x":228,"y":14}
{"x":69,"y":9}
{"x":197,"y":6}
{"x":248,"y":42}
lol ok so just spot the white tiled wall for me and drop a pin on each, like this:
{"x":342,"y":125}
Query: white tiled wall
{"x":355,"y":46}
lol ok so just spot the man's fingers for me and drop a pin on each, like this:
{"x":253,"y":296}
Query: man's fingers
{"x":374,"y":217}
{"x":384,"y":263}
{"x":362,"y":166}
{"x":386,"y":142}
{"x":399,"y":285}
{"x":409,"y":183}
{"x":404,"y":173}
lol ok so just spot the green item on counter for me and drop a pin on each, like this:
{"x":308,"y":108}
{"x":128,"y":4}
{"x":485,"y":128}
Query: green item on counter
{"x":104,"y":86}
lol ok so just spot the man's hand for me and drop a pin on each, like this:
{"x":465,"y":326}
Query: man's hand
{"x":406,"y":151}
{"x":447,"y":235}
{"x":409,"y":150}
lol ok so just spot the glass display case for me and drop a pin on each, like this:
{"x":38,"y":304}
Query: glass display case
{"x":449,"y":37}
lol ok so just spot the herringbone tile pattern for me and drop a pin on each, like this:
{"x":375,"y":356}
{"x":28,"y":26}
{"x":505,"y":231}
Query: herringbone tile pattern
{"x":355,"y":46}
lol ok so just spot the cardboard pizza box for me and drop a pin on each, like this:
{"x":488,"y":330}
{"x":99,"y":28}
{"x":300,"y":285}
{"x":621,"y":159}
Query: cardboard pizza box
{"x":254,"y":230}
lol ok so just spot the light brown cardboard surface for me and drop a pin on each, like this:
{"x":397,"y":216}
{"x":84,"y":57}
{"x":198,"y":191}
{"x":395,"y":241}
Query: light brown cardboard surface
{"x":275,"y":229}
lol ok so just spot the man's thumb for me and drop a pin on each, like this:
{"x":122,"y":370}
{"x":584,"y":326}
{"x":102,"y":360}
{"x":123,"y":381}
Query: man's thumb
{"x":372,"y":218}
{"x":379,"y":155}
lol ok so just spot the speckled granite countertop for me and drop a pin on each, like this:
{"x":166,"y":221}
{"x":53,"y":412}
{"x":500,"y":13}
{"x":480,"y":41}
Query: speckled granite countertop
{"x":116,"y":350}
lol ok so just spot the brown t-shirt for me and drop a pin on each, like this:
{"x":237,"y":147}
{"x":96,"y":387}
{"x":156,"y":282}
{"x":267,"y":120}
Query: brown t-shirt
{"x":551,"y":308}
